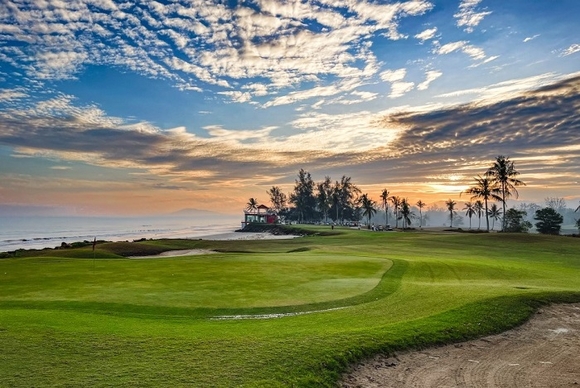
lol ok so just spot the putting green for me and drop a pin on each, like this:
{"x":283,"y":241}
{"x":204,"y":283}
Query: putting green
{"x":218,"y":281}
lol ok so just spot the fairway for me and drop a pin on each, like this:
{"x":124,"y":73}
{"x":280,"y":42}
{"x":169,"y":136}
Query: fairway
{"x":266,"y":313}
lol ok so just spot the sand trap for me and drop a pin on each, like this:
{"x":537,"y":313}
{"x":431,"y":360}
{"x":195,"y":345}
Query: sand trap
{"x":544,"y":352}
{"x":247,"y":236}
{"x":176,"y":253}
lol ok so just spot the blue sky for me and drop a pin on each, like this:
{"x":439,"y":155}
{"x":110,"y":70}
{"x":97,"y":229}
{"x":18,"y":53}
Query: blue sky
{"x":117,"y":107}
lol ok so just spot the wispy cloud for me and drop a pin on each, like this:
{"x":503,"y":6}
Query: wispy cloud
{"x":398,"y":86}
{"x":426,"y":34}
{"x":468,"y":16}
{"x":476,"y":53}
{"x":195,"y":43}
{"x":574,"y":48}
{"x":430,"y":76}
{"x":530,"y":38}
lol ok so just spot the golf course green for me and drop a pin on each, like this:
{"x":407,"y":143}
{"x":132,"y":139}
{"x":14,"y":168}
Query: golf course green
{"x":265,"y":313}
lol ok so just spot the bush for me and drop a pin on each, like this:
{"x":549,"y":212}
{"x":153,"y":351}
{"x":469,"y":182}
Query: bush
{"x":515,"y":223}
{"x":549,"y":221}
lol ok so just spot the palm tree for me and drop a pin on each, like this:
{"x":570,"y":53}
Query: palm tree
{"x":478,"y":206}
{"x":485,"y":189}
{"x":470,"y":211}
{"x":503,"y":173}
{"x":385,"y":199}
{"x":494,"y":213}
{"x":396,"y":201}
{"x":252,"y":204}
{"x":420,"y":204}
{"x":368,"y":207}
{"x":451,"y":207}
{"x":406,"y":214}
{"x":578,"y":208}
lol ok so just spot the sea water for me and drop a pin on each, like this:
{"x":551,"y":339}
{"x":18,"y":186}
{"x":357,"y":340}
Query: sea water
{"x":49,"y":232}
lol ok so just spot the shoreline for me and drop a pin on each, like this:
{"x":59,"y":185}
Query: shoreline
{"x":228,"y":235}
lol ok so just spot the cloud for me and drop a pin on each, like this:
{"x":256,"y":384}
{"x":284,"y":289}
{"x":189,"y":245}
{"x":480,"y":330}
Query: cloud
{"x":529,"y":38}
{"x":533,"y":117}
{"x":468,"y":17}
{"x":426,"y":34}
{"x":430,"y":76}
{"x":570,"y":50}
{"x":476,"y":53}
{"x":395,"y":77}
{"x":506,"y":89}
{"x":530,"y":121}
{"x":196,"y":43}
{"x":7,"y":95}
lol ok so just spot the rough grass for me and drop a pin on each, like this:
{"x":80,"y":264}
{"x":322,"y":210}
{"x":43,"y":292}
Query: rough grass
{"x":69,"y":320}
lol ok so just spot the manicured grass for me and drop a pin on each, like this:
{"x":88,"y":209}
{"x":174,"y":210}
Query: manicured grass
{"x":69,"y":320}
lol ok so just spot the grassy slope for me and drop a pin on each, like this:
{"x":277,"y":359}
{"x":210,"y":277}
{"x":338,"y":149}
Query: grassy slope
{"x":62,"y":329}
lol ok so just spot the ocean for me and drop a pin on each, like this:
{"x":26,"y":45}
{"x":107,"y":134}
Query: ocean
{"x":49,"y":232}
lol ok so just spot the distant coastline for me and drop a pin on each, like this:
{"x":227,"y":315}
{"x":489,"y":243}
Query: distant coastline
{"x":50,"y":232}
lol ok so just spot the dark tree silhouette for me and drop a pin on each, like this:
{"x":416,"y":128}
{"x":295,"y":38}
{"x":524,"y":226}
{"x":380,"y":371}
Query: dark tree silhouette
{"x":494,"y":214}
{"x":504,"y":173}
{"x":368,"y":207}
{"x":470,"y":211}
{"x":486,"y":189}
{"x":420,"y":204}
{"x":549,"y":221}
{"x":396,"y":201}
{"x":406,"y":214}
{"x":451,"y":207}
{"x":252,"y":204}
{"x":385,"y":202}
{"x":277,"y":198}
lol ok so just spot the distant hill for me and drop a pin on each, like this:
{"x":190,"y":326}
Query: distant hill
{"x":192,"y":212}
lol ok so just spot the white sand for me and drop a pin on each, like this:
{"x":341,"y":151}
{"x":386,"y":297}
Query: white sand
{"x":215,"y":237}
{"x":246,"y":236}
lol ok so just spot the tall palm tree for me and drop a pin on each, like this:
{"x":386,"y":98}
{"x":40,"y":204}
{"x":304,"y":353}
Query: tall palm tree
{"x":451,"y":207}
{"x":486,"y":189}
{"x":494,"y":214}
{"x":368,"y":207}
{"x":420,"y":204}
{"x":385,"y":200}
{"x":252,"y":204}
{"x":470,"y":211}
{"x":503,"y":172}
{"x":396,"y":201}
{"x":406,"y":214}
{"x":478,"y":206}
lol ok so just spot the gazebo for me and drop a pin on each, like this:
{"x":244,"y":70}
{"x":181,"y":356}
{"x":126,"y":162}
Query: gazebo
{"x":261,"y":214}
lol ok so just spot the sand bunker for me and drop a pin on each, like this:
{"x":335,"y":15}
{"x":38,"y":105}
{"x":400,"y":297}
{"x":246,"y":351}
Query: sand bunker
{"x":176,"y":253}
{"x":544,"y":352}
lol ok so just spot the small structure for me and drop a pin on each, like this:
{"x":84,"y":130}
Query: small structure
{"x":262,"y":215}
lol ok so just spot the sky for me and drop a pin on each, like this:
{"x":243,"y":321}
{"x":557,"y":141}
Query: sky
{"x":131,"y":108}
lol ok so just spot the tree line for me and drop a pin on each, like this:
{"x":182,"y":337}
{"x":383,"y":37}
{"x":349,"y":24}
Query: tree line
{"x":341,"y":201}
